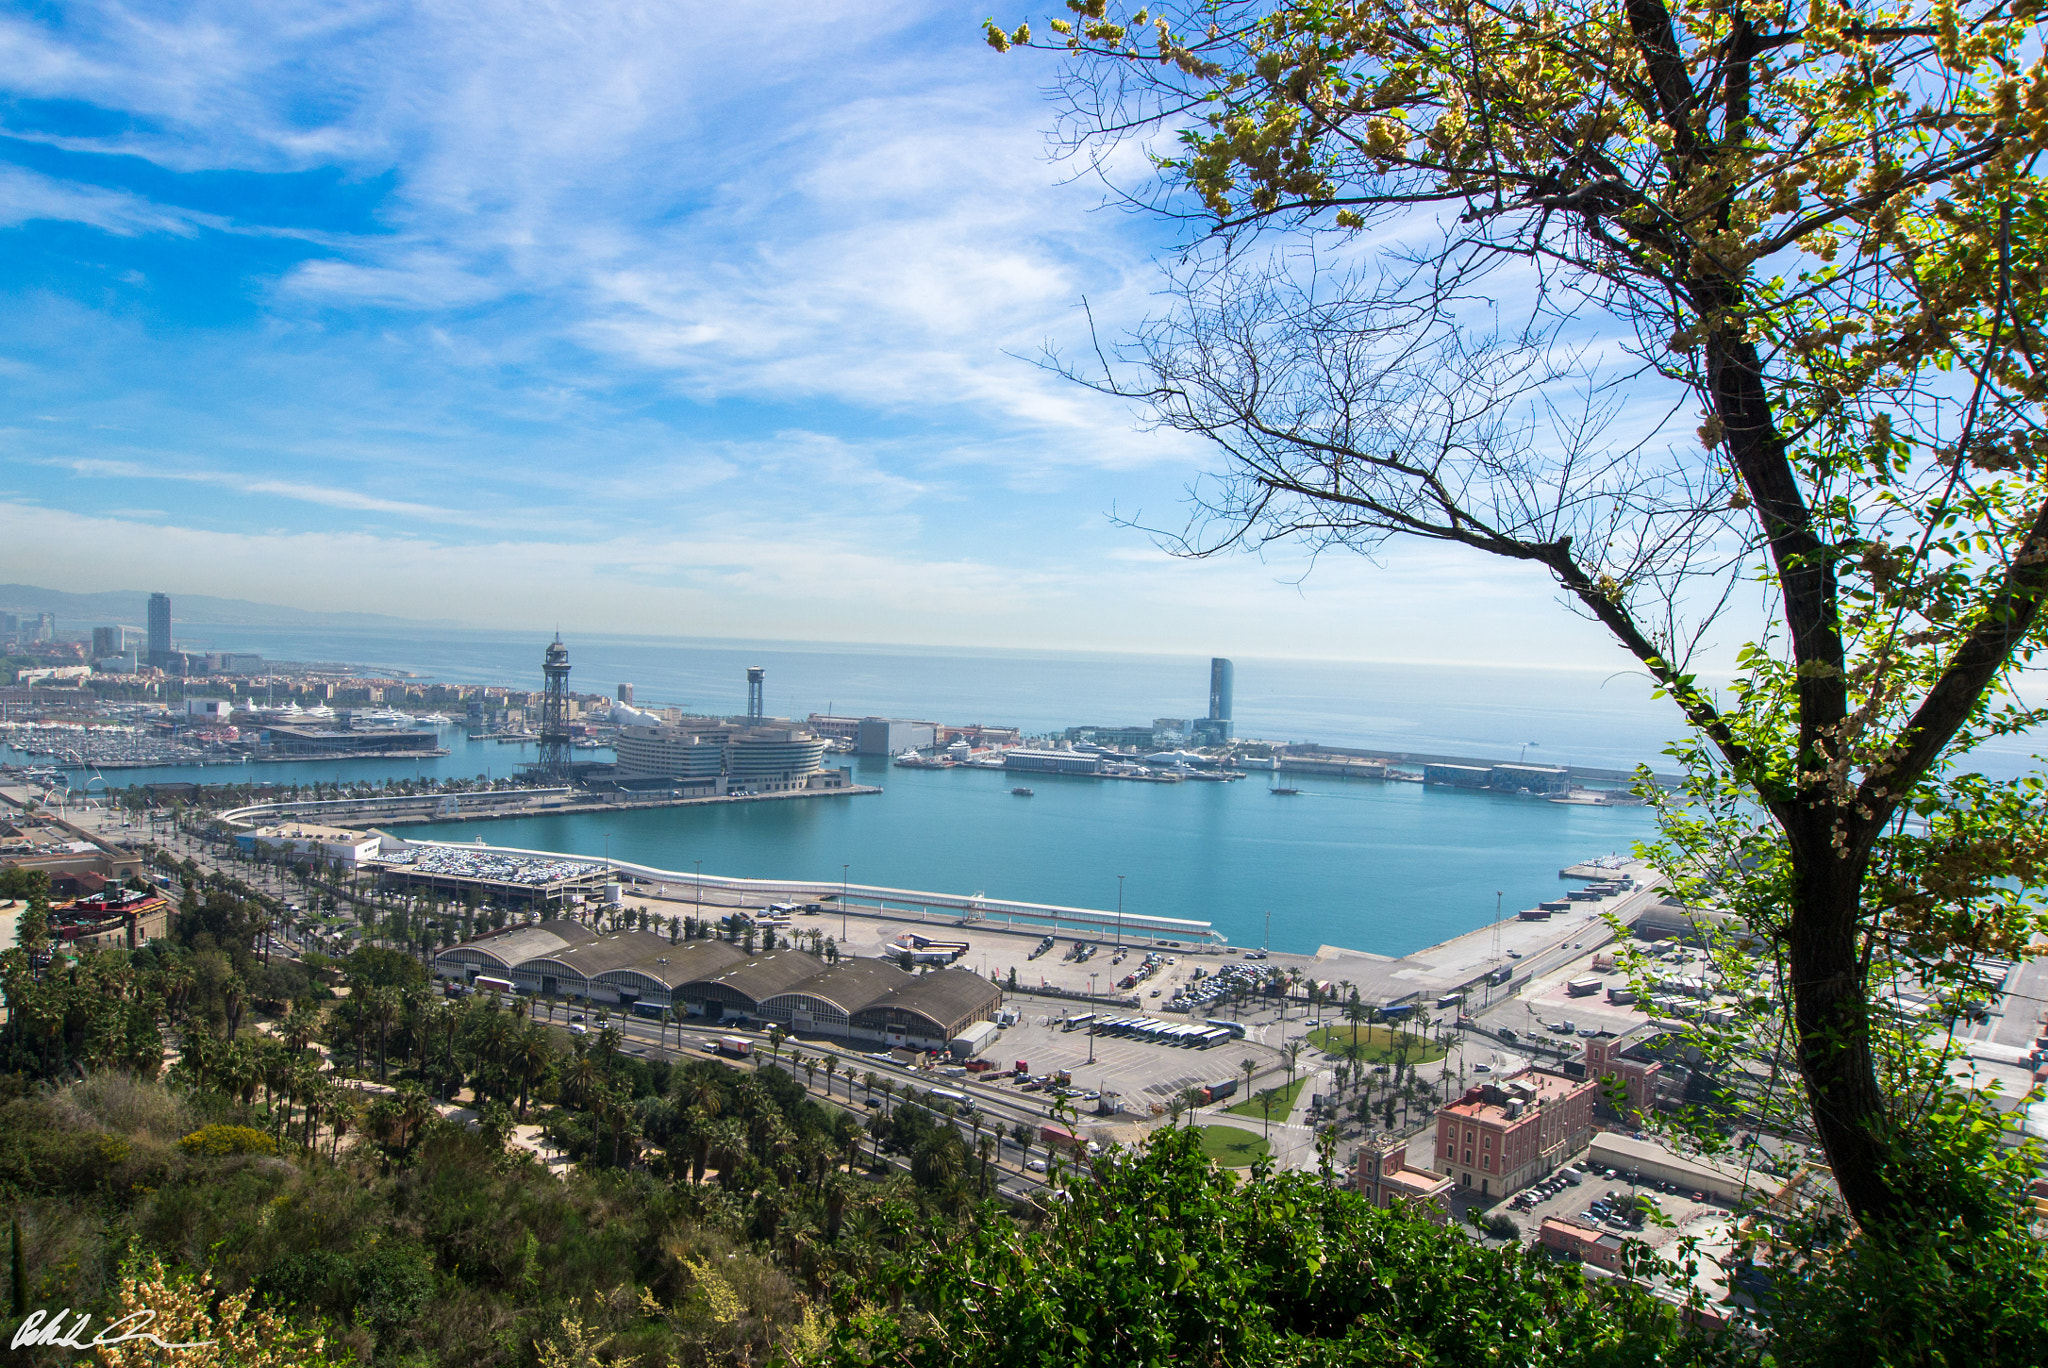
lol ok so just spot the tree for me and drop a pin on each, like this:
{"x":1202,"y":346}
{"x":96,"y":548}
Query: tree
{"x":1821,"y":228}
{"x":1269,"y":1100}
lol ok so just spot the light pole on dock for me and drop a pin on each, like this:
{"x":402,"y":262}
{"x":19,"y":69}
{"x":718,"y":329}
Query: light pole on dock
{"x":1091,"y":1027}
{"x":700,"y":897}
{"x":842,"y":902}
{"x":1119,"y":914}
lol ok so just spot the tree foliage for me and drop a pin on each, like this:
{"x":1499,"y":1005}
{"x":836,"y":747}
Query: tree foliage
{"x":1162,"y":1258}
{"x":1686,"y":305}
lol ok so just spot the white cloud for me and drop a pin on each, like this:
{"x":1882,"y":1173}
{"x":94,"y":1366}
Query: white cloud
{"x":28,"y":195}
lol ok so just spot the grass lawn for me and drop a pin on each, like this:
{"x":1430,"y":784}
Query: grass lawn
{"x":1232,"y":1147}
{"x":1375,"y":1044}
{"x":1288,"y":1092}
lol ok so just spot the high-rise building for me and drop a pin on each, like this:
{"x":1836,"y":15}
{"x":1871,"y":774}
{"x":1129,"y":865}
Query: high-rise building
{"x":160,"y":630}
{"x":626,"y":694}
{"x":1214,"y":730}
{"x":106,"y":641}
{"x":1220,"y":680}
{"x":46,"y":627}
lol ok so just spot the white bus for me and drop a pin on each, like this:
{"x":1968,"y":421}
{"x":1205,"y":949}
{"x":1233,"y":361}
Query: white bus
{"x":1074,"y":1023}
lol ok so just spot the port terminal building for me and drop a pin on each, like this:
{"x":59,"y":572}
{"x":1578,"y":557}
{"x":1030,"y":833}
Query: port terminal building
{"x":712,"y":757}
{"x":857,"y":999}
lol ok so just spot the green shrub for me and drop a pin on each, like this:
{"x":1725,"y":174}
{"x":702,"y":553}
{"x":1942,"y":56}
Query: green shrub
{"x":224,"y":1140}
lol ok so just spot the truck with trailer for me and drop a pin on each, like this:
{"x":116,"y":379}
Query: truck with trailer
{"x":735,"y":1047}
{"x":1216,"y":1092}
{"x":1586,"y":986}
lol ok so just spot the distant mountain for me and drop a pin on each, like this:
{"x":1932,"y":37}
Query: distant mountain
{"x":131,"y":607}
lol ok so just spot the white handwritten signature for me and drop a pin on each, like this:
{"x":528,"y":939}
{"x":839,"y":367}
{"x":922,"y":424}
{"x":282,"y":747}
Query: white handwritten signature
{"x":43,"y":1327}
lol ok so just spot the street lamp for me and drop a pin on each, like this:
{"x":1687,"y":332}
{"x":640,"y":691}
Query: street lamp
{"x":1091,"y":1028}
{"x":1119,"y":914}
{"x":700,"y":896}
{"x":842,"y":902}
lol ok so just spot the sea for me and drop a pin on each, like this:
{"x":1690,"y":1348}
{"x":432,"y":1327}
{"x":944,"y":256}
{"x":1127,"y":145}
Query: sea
{"x":1385,"y":868}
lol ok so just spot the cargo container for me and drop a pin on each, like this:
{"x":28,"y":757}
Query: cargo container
{"x":973,"y":1040}
{"x":1584,"y":987}
{"x":1059,"y":1137}
{"x":1621,"y":997}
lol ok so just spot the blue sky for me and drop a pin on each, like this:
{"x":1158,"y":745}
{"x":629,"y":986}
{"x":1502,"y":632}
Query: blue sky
{"x":678,"y":319}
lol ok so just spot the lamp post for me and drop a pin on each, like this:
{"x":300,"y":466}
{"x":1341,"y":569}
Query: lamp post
{"x":842,"y":902}
{"x":1091,"y":1028}
{"x":700,"y":896}
{"x":1119,"y":914}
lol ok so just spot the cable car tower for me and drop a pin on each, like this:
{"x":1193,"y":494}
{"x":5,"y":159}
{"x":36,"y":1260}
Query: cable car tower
{"x":554,"y":713}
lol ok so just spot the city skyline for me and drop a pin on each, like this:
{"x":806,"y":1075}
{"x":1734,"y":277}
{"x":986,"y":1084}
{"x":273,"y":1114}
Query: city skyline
{"x":450,"y":318}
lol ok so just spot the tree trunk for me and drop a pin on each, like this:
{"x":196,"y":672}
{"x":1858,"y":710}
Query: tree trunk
{"x":1831,"y":1016}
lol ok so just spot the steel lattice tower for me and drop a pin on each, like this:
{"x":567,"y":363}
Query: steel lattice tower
{"x":755,"y":709}
{"x":554,"y":712}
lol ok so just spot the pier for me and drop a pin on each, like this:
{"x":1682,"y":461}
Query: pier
{"x":870,"y":899}
{"x":493,"y":804}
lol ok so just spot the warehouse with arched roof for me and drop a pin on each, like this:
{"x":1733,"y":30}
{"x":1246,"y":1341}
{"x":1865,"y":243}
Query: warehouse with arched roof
{"x":657,"y":980}
{"x":929,"y":1011}
{"x":740,"y":990}
{"x":575,"y":971}
{"x":495,"y":954}
{"x":826,"y":1002}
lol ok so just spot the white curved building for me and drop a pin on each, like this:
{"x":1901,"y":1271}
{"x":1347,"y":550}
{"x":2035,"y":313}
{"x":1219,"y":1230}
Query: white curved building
{"x":722,"y":754}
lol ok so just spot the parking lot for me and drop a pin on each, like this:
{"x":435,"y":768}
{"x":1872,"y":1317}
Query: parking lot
{"x":1141,"y":1072}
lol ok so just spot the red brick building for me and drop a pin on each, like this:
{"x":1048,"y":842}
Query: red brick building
{"x":1581,"y":1242}
{"x":1632,"y":1058}
{"x":1500,"y":1137}
{"x":1385,"y":1177}
{"x":121,"y":918}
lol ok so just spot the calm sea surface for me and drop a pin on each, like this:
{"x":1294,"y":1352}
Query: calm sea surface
{"x":1386,"y":868}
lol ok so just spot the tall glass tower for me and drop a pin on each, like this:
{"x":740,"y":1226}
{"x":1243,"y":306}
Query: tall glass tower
{"x":160,"y":630}
{"x":1220,"y":673}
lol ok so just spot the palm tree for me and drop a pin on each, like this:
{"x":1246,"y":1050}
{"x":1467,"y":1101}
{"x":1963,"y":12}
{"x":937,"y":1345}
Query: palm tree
{"x":1355,"y":1012}
{"x":1024,"y":1134}
{"x":1292,"y":1053}
{"x":1268,"y":1099}
{"x":531,"y":1056}
{"x":870,"y":1081}
{"x":383,"y":1011}
{"x":985,"y":1150}
{"x":1250,"y":1067}
{"x":581,"y":1080}
{"x":831,"y":1068}
{"x":810,"y":1072}
{"x":776,"y":1035}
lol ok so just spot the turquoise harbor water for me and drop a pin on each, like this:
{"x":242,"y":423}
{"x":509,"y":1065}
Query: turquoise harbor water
{"x":1386,"y":868}
{"x":1382,"y":868}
